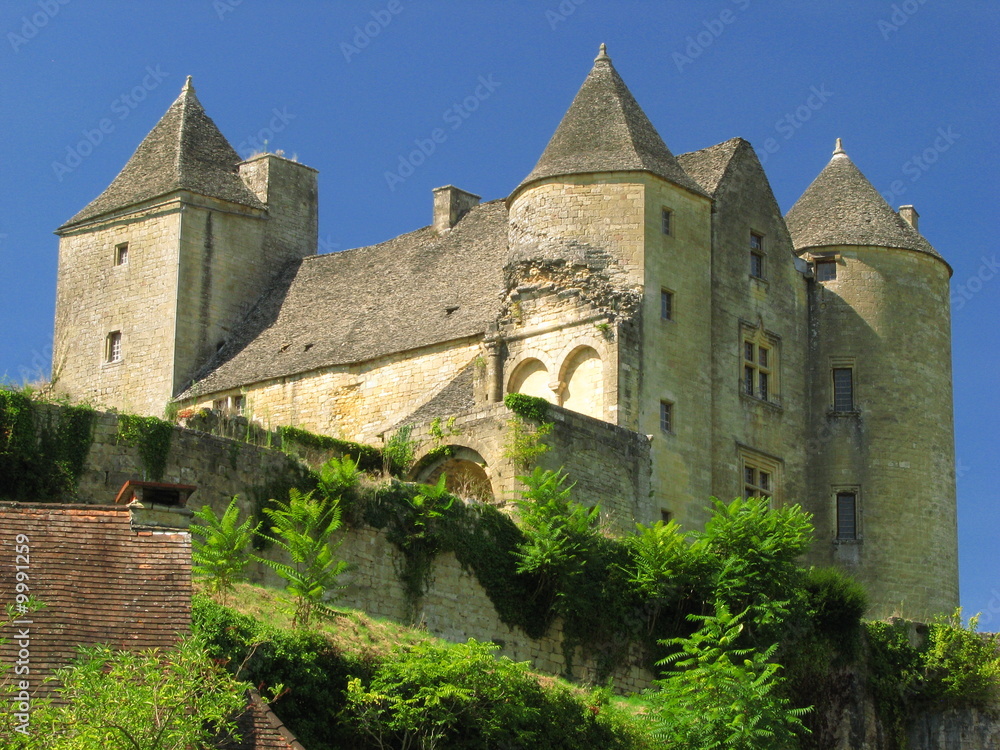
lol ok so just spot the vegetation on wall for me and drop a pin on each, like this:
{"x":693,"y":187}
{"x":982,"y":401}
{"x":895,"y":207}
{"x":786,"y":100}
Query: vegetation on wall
{"x":42,"y":450}
{"x":151,"y":437}
{"x":293,"y":439}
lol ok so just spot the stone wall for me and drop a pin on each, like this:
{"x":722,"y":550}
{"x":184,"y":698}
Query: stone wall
{"x":356,"y":401}
{"x":219,"y":467}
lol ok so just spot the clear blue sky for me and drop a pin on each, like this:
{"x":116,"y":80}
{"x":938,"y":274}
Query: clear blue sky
{"x":350,"y":87}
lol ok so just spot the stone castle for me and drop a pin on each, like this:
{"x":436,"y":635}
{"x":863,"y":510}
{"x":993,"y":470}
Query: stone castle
{"x":692,"y":341}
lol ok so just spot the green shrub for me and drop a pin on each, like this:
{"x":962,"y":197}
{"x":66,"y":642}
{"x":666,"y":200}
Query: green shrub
{"x":461,"y":696}
{"x":530,"y":407}
{"x":338,"y":478}
{"x":398,"y":451}
{"x":961,"y":666}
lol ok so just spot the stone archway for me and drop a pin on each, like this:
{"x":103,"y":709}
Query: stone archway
{"x":532,"y":379}
{"x":583,"y":382}
{"x":465,"y":471}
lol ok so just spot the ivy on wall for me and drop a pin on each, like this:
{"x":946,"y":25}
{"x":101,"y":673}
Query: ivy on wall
{"x":42,"y":452}
{"x":151,"y":437}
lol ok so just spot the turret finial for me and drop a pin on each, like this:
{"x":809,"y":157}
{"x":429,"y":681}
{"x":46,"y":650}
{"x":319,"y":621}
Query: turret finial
{"x":602,"y":54}
{"x":188,"y":86}
{"x":839,"y":150}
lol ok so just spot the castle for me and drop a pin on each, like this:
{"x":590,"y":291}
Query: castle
{"x":692,"y":341}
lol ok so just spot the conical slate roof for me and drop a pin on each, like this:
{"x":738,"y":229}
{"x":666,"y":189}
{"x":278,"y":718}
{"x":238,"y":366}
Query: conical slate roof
{"x":184,"y":151}
{"x":605,"y":130}
{"x":841,"y":207}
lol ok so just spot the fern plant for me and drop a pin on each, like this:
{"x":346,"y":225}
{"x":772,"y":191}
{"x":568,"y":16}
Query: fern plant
{"x":338,"y":478}
{"x":721,"y":696}
{"x":221,"y":555}
{"x":303,"y":528}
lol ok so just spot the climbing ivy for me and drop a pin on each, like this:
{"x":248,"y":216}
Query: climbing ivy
{"x":42,"y":452}
{"x":367,"y":457}
{"x":151,"y":436}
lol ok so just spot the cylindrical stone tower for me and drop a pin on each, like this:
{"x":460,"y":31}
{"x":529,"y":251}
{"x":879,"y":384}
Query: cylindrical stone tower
{"x":881,"y":443}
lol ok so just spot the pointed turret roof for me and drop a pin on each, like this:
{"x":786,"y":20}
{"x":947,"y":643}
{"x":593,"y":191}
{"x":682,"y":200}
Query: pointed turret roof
{"x":841,"y":207}
{"x":605,"y":130}
{"x":184,"y":151}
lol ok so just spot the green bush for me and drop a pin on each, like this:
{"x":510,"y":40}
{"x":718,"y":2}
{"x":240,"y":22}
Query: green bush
{"x":461,"y":696}
{"x":961,"y":666}
{"x":530,"y":407}
{"x":338,"y":478}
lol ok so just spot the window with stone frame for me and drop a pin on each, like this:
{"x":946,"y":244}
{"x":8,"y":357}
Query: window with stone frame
{"x":666,"y":304}
{"x":230,"y":405}
{"x":843,"y":387}
{"x":666,"y":416}
{"x":666,"y":221}
{"x":121,"y":254}
{"x":847,"y":515}
{"x":759,"y":374}
{"x":113,"y":347}
{"x":759,"y":473}
{"x":826,"y":269}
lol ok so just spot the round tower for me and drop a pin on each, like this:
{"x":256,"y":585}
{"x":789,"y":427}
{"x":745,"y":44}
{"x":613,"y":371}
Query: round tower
{"x":881,"y":447}
{"x":612,"y":222}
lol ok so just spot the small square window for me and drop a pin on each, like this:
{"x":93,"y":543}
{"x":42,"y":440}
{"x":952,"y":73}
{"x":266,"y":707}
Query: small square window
{"x":847,"y":515}
{"x":666,"y":216}
{"x":843,"y":389}
{"x":113,"y":347}
{"x":666,"y":305}
{"x":665,"y":515}
{"x":757,"y":242}
{"x":666,"y":416}
{"x":121,"y":254}
{"x":826,"y":270}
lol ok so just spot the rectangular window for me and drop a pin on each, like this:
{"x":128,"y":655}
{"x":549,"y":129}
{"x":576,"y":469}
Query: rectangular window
{"x":666,"y":305}
{"x":121,"y":254}
{"x":826,"y":270}
{"x":758,"y":365}
{"x":665,"y":515}
{"x":757,"y":255}
{"x":847,"y":515}
{"x":666,"y":416}
{"x":757,"y":482}
{"x":843,"y":389}
{"x":113,"y":347}
{"x":760,"y":473}
{"x":666,"y":216}
{"x":229,"y":405}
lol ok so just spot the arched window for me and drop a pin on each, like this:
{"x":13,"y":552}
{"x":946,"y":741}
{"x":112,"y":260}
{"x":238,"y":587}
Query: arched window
{"x":583,"y":379}
{"x":464,"y":470}
{"x":532,"y":379}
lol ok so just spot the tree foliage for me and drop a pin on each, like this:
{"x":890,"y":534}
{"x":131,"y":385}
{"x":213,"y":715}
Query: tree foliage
{"x":174,"y":699}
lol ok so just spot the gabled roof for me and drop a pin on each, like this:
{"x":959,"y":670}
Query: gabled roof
{"x":708,"y":165}
{"x":413,"y":291}
{"x":605,"y":130}
{"x":184,"y":151}
{"x":841,"y":207}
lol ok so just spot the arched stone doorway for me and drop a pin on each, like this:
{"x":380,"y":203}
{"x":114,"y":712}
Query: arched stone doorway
{"x":583,"y":382}
{"x":532,"y":379}
{"x":465,"y":472}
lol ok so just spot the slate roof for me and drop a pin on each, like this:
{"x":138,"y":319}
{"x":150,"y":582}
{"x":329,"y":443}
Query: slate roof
{"x":605,"y":130}
{"x":100,"y":581}
{"x":841,"y":207}
{"x":184,"y":151}
{"x":708,"y":165}
{"x":259,"y":728}
{"x":413,"y":291}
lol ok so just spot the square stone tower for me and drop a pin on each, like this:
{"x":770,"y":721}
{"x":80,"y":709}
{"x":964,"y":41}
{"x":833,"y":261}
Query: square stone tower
{"x":155,"y":272}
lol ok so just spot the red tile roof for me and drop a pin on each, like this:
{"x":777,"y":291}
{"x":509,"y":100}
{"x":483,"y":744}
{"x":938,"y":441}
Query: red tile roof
{"x":100,"y":581}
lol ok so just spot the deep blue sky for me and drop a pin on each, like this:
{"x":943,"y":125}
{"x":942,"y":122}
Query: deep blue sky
{"x":704,"y":72}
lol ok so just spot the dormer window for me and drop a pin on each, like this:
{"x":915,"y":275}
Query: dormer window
{"x":826,"y":270}
{"x":121,"y":254}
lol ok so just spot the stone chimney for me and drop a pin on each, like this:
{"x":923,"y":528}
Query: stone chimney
{"x":450,"y":205}
{"x":157,"y":506}
{"x":909,"y":215}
